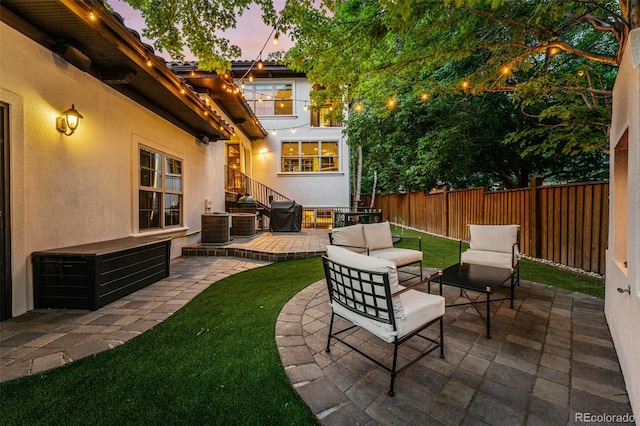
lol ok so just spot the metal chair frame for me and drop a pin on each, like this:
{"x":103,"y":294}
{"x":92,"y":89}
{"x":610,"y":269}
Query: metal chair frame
{"x":352,"y":288}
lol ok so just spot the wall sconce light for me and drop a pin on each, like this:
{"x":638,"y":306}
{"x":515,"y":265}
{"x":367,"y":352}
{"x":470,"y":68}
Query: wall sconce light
{"x":68,"y":122}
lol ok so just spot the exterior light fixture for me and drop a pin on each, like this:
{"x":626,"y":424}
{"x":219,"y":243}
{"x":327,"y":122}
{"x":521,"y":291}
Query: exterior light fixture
{"x":68,"y":122}
{"x":275,"y":38}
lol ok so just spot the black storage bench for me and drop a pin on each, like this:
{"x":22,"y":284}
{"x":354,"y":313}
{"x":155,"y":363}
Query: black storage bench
{"x":89,"y":276}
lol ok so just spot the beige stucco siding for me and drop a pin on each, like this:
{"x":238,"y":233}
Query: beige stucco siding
{"x":68,"y":190}
{"x":623,"y":309}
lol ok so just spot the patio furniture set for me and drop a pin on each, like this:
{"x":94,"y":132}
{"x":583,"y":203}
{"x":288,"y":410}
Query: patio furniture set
{"x":361,"y":270}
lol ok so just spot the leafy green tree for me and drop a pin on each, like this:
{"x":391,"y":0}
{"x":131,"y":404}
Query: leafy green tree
{"x":195,"y":25}
{"x":554,"y":60}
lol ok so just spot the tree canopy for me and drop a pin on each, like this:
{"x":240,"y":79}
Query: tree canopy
{"x":444,"y":85}
{"x":527,"y":78}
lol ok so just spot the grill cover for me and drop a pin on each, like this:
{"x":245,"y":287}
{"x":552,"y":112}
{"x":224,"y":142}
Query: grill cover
{"x":286,"y":216}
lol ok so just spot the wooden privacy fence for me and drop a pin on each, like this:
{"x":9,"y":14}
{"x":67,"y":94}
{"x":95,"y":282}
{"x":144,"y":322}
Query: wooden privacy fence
{"x":566,"y":224}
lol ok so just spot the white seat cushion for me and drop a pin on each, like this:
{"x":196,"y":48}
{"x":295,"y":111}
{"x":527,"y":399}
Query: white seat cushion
{"x":493,"y":237}
{"x":419,"y":308}
{"x":377,"y":235}
{"x":360,"y":261}
{"x":399,"y":256}
{"x":488,"y":258}
{"x":349,"y":236}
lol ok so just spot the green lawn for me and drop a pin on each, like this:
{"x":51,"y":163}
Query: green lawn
{"x":214,"y":361}
{"x":442,"y":252}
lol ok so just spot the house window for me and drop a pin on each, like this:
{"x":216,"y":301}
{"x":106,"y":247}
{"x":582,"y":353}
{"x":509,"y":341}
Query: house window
{"x":160,"y":190}
{"x":620,"y":201}
{"x":323,"y":117}
{"x":270,"y":99}
{"x":310,"y":156}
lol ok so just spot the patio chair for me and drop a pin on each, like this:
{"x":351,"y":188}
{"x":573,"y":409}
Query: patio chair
{"x":364,"y":291}
{"x":494,"y":245}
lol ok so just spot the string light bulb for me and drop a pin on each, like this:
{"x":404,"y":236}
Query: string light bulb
{"x":260,"y":64}
{"x":391,"y":103}
{"x":424,"y":96}
{"x":149,"y":63}
{"x":92,"y":16}
{"x":506,"y":70}
{"x":358,"y":107}
{"x":553,"y":51}
{"x":465,"y":84}
{"x":275,"y":38}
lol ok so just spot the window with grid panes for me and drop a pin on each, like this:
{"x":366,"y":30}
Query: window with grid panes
{"x":309,"y":156}
{"x":160,"y":190}
{"x":322,"y":117}
{"x":270,"y":98}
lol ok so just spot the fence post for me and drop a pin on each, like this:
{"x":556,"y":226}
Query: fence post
{"x":445,"y":213}
{"x":532,"y":226}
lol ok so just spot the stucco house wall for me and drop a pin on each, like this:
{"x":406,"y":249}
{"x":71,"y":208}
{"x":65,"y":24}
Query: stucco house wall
{"x":622,"y":300}
{"x":312,"y":189}
{"x":68,"y":190}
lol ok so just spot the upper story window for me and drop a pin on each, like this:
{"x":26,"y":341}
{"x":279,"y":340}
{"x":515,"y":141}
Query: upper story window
{"x":309,"y":156}
{"x":159,"y":191}
{"x":270,"y":98}
{"x":326,"y":116}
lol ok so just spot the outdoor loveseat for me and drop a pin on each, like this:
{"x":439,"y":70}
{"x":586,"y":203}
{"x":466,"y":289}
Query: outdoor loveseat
{"x":376,"y":240}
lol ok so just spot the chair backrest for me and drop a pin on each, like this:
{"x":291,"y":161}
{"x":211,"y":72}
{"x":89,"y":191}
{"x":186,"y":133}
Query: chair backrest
{"x":362,"y":292}
{"x":349,"y":236}
{"x":501,"y":238}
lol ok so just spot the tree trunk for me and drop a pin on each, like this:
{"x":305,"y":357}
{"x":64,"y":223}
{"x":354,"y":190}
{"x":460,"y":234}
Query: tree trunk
{"x":631,"y":10}
{"x":358,"y":178}
{"x":373,"y":191}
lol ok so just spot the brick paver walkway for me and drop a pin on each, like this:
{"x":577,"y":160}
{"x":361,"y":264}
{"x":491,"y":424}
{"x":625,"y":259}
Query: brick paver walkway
{"x":549,"y":360}
{"x":46,"y":338}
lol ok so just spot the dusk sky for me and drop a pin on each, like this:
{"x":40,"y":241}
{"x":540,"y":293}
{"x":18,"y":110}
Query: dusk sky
{"x":251,"y":33}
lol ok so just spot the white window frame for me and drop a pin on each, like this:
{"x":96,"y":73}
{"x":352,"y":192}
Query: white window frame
{"x":252,"y":97}
{"x":162,"y":190}
{"x":300,"y":157}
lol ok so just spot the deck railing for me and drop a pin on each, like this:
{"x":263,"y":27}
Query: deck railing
{"x":238,"y":183}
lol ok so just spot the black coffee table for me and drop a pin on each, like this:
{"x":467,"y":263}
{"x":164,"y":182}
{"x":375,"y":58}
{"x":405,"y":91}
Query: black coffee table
{"x":480,"y":278}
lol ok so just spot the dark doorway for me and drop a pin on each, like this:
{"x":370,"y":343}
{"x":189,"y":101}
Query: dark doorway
{"x":5,"y":237}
